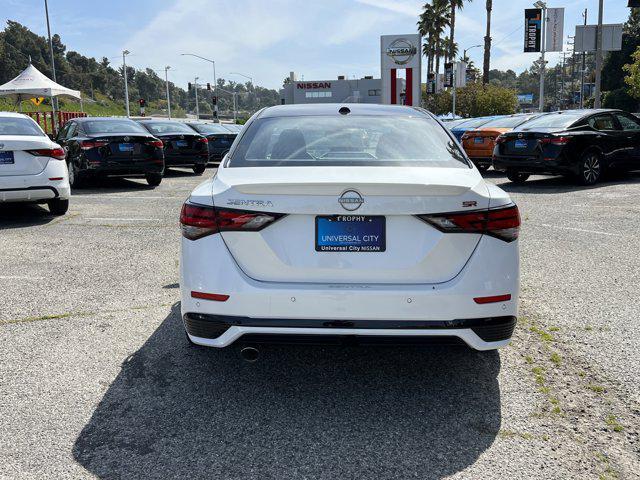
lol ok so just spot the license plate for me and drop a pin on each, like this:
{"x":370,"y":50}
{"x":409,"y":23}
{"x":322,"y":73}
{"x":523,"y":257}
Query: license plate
{"x":126,"y":147}
{"x":181,"y":143}
{"x":6,"y":158}
{"x":522,"y":143}
{"x":350,"y":233}
{"x":478,"y":140}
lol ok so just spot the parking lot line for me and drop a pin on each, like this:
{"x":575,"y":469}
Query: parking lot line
{"x":598,"y":232}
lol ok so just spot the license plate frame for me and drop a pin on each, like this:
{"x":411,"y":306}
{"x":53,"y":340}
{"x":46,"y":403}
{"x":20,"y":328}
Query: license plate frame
{"x":521,"y":143}
{"x":7,"y":157}
{"x":346,"y":226}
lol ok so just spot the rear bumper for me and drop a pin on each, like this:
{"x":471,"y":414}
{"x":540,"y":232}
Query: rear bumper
{"x":185,"y":160}
{"x":125,"y":169}
{"x":533,"y":165}
{"x":37,"y":188}
{"x":221,"y":331}
{"x":430,"y":310}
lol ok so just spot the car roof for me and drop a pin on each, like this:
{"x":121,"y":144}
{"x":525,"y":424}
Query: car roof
{"x":13,"y":115}
{"x":332,"y":109}
{"x":99,"y":119}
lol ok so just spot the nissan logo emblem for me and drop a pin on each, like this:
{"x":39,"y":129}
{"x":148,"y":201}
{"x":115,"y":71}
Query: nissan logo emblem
{"x":126,"y":139}
{"x":351,"y":200}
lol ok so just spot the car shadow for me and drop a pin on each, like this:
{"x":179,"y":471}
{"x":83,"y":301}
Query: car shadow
{"x":21,"y":215}
{"x":96,"y":186}
{"x":559,"y":184}
{"x":299,"y":412}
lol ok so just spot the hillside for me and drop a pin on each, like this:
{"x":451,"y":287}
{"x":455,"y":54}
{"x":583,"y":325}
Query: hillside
{"x":102,"y":85}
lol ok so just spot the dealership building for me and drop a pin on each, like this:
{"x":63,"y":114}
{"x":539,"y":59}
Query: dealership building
{"x":341,"y":90}
{"x":397,"y":53}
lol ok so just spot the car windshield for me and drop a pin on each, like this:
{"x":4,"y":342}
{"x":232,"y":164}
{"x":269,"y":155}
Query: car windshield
{"x":113,"y":126}
{"x":209,"y":128}
{"x":19,"y":126}
{"x":506,"y":122}
{"x":557,"y":120}
{"x":161,"y":128}
{"x":473,"y":123}
{"x":347,"y":141}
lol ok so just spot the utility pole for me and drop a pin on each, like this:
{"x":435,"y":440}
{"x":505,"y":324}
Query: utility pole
{"x":53,"y":68}
{"x":195,"y":86}
{"x":126,"y":87}
{"x":453,"y":95}
{"x":166,"y":79}
{"x":597,"y":101}
{"x":584,"y":65}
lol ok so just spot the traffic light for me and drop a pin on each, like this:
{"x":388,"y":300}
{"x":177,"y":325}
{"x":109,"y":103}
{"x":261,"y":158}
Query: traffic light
{"x":189,"y":86}
{"x":142,"y":102}
{"x":208,"y":86}
{"x":214,"y":100}
{"x":634,"y":3}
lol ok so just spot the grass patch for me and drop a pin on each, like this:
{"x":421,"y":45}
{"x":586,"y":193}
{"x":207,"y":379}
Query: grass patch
{"x":556,"y":359}
{"x":588,"y":328}
{"x":514,"y":434}
{"x":528,"y":359}
{"x":554,"y":329}
{"x":612,"y":422}
{"x":544,"y":336}
{"x":595,"y":388}
{"x":40,"y":318}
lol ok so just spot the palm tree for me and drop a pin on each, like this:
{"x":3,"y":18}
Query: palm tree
{"x":454,"y":5}
{"x":431,"y":24}
{"x":487,"y":45}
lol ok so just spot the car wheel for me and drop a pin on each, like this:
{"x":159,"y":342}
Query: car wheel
{"x":590,"y":168}
{"x":199,"y":169}
{"x":75,"y":179}
{"x":57,"y":206}
{"x":517,"y":177}
{"x":154,"y":179}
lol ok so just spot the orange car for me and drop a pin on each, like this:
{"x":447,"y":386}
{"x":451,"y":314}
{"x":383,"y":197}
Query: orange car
{"x":479,"y":143}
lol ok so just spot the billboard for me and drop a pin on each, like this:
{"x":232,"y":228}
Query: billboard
{"x":525,"y":98}
{"x":586,"y":38}
{"x":532,"y":29}
{"x":554,"y":30}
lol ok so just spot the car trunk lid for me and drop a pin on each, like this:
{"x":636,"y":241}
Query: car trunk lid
{"x":287,"y":250}
{"x":15,"y":158}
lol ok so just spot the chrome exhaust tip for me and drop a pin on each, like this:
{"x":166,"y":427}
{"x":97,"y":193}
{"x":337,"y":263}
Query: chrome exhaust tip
{"x":250,"y":354}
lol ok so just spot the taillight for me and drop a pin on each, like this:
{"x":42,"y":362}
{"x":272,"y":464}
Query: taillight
{"x":202,"y":140}
{"x":198,"y":221}
{"x":57,"y":153}
{"x":89,"y":144}
{"x":561,"y":141}
{"x":502,"y":223}
{"x":156,"y":143}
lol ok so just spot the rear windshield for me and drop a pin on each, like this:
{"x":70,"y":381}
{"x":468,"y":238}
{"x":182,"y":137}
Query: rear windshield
{"x":113,"y":126}
{"x":161,"y":128}
{"x":506,"y":122}
{"x":553,"y":120}
{"x":346,"y":140}
{"x":473,"y":123}
{"x":209,"y":128}
{"x":19,"y":126}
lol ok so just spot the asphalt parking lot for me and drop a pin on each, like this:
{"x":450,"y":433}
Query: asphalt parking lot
{"x":98,"y":380}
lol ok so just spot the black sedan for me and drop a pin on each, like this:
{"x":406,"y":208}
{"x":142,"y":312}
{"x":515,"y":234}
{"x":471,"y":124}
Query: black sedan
{"x":582,"y":144}
{"x":182,"y":146}
{"x":220,"y":138}
{"x":110,"y":147}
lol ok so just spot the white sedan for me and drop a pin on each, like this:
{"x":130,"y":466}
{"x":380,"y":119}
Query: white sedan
{"x":348,"y":223}
{"x":32,"y":167}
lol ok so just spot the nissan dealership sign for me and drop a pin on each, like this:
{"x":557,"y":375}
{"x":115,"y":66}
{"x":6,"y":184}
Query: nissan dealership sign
{"x":313,"y":85}
{"x":401,"y":52}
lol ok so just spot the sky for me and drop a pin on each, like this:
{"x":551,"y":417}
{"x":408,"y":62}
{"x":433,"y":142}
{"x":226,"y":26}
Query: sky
{"x":266,"y":39}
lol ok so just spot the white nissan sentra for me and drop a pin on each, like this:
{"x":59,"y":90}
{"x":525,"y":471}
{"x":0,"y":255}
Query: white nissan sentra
{"x":32,"y":167}
{"x":358,"y":223}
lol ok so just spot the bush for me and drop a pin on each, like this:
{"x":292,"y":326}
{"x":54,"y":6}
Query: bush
{"x":475,"y":100}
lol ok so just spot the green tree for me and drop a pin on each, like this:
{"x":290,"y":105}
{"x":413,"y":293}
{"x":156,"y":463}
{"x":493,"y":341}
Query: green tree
{"x":454,"y":5}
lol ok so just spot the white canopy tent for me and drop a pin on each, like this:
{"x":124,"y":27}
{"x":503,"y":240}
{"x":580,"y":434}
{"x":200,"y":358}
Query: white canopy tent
{"x":33,"y":83}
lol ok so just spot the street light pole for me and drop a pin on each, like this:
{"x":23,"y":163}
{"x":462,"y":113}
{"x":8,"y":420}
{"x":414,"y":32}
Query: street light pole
{"x":543,"y":7}
{"x":597,"y":101}
{"x":584,"y":65}
{"x":215,"y":80}
{"x":126,"y":87}
{"x":53,"y":67}
{"x":166,"y":79}
{"x":195,"y":86}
